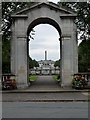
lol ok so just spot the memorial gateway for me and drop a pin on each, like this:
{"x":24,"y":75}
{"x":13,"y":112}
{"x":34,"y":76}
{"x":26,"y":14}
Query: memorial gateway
{"x":43,"y":13}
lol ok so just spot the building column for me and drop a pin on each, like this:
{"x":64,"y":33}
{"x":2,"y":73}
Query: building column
{"x":67,"y":62}
{"x":19,"y":59}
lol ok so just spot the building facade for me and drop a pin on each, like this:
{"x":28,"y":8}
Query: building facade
{"x":46,"y":67}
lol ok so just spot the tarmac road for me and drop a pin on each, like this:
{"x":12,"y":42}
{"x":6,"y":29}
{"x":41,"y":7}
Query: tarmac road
{"x":45,"y":110}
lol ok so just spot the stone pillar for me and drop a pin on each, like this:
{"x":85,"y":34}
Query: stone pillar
{"x":21,"y":65}
{"x":68,"y":56}
{"x":19,"y":52}
{"x":19,"y":59}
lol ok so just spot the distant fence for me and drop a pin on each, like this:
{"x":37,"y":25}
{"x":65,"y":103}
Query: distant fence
{"x":45,"y":72}
{"x":8,"y":76}
{"x":7,"y":80}
{"x":11,"y":76}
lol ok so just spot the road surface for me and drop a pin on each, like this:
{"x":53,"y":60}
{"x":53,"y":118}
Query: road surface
{"x":45,"y":110}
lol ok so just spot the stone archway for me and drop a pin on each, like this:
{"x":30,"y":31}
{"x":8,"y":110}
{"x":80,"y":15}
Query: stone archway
{"x":25,"y":20}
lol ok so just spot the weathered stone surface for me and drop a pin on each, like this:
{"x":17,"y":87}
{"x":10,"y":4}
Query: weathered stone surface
{"x":48,"y":13}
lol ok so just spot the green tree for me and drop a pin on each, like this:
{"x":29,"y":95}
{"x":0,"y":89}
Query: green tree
{"x":84,"y":56}
{"x":6,"y":56}
{"x":33,"y":63}
{"x":83,"y":16}
{"x":57,"y":63}
{"x":83,"y":24}
{"x":7,"y":9}
{"x":30,"y":62}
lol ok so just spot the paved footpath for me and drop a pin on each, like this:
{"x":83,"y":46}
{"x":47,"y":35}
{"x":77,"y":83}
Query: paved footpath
{"x":45,"y":83}
{"x":45,"y":89}
{"x":45,"y":97}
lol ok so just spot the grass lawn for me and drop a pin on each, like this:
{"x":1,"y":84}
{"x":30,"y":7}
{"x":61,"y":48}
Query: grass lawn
{"x":33,"y":78}
{"x":55,"y":78}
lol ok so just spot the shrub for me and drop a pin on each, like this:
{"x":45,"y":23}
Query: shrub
{"x":58,"y":77}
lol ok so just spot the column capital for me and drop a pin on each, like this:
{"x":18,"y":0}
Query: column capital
{"x":21,"y":36}
{"x":66,"y":36}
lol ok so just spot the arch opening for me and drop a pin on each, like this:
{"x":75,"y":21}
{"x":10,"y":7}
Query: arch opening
{"x":45,"y":38}
{"x":28,"y":18}
{"x":45,"y":21}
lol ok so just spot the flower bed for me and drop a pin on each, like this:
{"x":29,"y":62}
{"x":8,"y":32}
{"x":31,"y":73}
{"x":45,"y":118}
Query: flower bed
{"x":9,"y":82}
{"x":79,"y":82}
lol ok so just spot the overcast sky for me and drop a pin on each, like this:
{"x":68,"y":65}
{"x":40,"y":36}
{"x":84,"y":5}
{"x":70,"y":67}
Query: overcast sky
{"x":46,"y":38}
{"x":55,"y":1}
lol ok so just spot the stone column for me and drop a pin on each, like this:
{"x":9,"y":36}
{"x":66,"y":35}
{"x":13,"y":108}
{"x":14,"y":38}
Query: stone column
{"x":19,"y":61}
{"x":19,"y":51}
{"x":67,"y":61}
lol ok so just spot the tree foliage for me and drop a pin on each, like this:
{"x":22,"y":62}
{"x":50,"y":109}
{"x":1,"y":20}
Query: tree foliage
{"x":57,"y":63}
{"x":6,"y":56}
{"x":83,"y":16}
{"x":84,"y":56}
{"x":83,"y":24}
{"x":33,"y":63}
{"x":7,"y":9}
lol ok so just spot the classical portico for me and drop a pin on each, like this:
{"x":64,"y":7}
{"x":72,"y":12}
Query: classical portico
{"x":43,"y":13}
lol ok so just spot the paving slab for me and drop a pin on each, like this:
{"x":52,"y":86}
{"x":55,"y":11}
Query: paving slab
{"x":48,"y":97}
